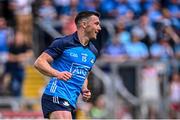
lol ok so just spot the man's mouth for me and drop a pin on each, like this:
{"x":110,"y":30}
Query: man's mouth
{"x":96,"y":32}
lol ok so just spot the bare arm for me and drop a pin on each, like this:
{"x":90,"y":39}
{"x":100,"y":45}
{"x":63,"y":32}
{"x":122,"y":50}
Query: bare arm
{"x":85,"y":84}
{"x":169,"y":30}
{"x":42,"y":64}
{"x":86,"y":93}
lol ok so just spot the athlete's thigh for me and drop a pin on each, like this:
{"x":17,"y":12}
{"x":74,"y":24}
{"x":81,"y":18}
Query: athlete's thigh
{"x":60,"y":115}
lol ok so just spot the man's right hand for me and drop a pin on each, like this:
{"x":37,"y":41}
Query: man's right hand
{"x":64,"y":75}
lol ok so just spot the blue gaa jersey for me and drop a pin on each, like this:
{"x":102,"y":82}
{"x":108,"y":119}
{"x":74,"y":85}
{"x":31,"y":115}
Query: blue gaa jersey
{"x":69,"y":55}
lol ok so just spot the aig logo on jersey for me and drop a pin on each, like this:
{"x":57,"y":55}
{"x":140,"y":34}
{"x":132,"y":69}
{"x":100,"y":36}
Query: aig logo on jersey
{"x":84,"y":57}
{"x":79,"y":70}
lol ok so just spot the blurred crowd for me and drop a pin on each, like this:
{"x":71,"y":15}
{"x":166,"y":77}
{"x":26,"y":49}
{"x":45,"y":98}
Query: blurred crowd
{"x":132,"y":30}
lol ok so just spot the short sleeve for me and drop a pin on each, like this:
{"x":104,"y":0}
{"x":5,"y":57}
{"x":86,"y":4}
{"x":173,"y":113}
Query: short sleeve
{"x":56,"y":48}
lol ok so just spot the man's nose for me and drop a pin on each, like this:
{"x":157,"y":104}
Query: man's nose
{"x":99,"y":28}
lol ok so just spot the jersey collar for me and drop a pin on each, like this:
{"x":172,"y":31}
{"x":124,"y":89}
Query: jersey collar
{"x":75,"y":36}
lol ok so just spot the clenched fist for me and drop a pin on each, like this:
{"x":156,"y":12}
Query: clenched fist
{"x":86,"y":94}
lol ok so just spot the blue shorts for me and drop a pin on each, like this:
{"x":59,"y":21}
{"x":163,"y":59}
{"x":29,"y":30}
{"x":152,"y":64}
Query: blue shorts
{"x":51,"y":104}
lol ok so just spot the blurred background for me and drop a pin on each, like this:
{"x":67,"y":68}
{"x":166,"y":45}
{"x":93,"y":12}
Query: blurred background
{"x":136,"y":75}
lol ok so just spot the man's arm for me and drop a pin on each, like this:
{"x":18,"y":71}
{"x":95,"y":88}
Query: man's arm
{"x":86,"y":93}
{"x":85,"y":84}
{"x":42,"y":64}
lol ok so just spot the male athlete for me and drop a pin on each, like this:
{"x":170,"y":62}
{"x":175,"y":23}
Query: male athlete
{"x":68,"y":60}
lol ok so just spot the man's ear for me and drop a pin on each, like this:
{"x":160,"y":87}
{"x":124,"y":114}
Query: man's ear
{"x":84,"y":24}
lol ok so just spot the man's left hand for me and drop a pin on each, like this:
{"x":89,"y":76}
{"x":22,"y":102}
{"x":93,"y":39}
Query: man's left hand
{"x":86,"y":94}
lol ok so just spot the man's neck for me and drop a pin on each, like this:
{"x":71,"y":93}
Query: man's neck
{"x":83,"y":39}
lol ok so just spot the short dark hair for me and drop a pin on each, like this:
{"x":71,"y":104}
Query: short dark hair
{"x":85,"y":14}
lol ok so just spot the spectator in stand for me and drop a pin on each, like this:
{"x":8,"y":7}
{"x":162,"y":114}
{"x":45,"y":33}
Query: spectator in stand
{"x":123,"y":35}
{"x":47,"y":20}
{"x":69,"y":7}
{"x":123,"y":111}
{"x":134,"y":5}
{"x":3,"y":52}
{"x":115,"y":51}
{"x":122,"y":7}
{"x":161,"y":50}
{"x":75,"y":7}
{"x":150,"y":96}
{"x":61,"y":5}
{"x":137,"y":50}
{"x":154,"y":12}
{"x":108,"y":9}
{"x":173,"y":7}
{"x":175,"y":96}
{"x":91,"y":5}
{"x":177,"y":51}
{"x":6,"y":36}
{"x":24,"y":19}
{"x":47,"y":12}
{"x":128,"y":20}
{"x":19,"y":54}
{"x":148,"y":32}
{"x":98,"y":110}
{"x":169,"y":27}
{"x":68,"y":25}
{"x":169,"y":20}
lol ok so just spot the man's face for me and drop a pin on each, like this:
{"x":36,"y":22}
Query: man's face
{"x":92,"y":27}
